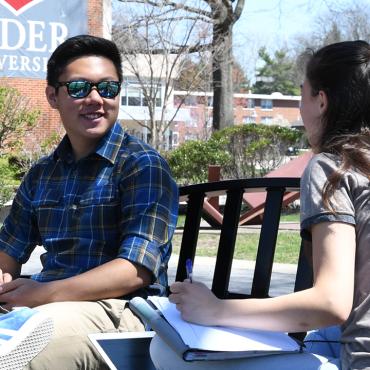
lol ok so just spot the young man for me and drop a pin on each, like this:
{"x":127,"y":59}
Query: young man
{"x":103,"y":205}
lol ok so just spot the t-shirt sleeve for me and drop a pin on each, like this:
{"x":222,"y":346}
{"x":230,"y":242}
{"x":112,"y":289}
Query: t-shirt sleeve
{"x":313,"y":210}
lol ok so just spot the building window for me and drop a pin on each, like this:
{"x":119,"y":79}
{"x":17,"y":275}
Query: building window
{"x":191,"y":122}
{"x":190,"y":100}
{"x":267,"y":120}
{"x":266,"y":104}
{"x":249,"y":119}
{"x":249,"y":103}
{"x":175,"y":138}
{"x":132,"y":95}
{"x":209,"y":121}
{"x":189,"y":137}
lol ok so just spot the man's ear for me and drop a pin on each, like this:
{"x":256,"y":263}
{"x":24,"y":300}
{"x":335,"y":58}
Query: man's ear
{"x":323,"y":101}
{"x":51,"y":96}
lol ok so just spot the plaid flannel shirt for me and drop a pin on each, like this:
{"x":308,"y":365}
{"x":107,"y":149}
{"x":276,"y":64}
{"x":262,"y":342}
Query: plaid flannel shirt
{"x":118,"y":202}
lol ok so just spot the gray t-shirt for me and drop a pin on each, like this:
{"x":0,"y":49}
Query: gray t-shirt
{"x":351,"y":202}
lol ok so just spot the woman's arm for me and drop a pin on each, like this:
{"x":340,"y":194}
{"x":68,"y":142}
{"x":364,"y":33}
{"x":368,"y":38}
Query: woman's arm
{"x":328,"y":302}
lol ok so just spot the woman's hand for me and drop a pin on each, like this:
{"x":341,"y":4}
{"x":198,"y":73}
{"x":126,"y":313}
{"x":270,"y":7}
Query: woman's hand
{"x":196,"y":302}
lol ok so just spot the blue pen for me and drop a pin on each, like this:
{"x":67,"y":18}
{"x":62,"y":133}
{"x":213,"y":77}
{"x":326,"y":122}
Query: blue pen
{"x":189,"y":269}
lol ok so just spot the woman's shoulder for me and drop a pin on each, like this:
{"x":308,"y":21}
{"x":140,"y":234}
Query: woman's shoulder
{"x":324,"y":164}
{"x":319,"y":168}
{"x":324,"y":161}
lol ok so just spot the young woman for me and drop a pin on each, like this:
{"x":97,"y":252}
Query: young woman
{"x":335,"y":212}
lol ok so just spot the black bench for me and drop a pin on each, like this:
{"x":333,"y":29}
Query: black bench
{"x":194,"y":195}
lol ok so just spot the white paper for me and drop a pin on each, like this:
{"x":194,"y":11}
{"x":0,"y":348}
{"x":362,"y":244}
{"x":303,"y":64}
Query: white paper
{"x":223,"y":338}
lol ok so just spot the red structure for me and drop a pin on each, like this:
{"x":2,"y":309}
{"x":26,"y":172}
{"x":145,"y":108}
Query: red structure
{"x":256,"y":201}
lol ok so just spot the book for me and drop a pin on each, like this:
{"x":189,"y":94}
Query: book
{"x":195,"y":342}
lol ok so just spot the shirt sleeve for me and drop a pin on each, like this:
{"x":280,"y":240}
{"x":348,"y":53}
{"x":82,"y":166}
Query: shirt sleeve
{"x":149,"y":203}
{"x":19,"y":233}
{"x":313,"y":210}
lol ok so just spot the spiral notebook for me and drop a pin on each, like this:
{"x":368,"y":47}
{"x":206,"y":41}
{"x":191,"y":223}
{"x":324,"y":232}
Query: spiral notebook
{"x":197,"y":342}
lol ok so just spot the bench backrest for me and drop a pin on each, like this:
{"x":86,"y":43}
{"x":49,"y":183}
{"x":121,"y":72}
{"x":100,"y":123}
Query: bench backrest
{"x":194,"y":195}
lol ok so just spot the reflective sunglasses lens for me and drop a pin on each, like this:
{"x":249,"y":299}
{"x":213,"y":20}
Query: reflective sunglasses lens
{"x":79,"y":89}
{"x":108,"y":89}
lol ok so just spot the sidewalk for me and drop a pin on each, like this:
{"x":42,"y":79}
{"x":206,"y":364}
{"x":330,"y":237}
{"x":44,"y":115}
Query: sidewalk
{"x":282,"y":281}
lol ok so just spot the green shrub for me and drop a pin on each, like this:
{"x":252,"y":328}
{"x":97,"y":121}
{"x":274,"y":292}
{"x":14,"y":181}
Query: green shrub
{"x":255,"y":149}
{"x":241,"y":151}
{"x":189,"y":163}
{"x":16,"y":118}
{"x":23,"y":160}
{"x":8,"y":181}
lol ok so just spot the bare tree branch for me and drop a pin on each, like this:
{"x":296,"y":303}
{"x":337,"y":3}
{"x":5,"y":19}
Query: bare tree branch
{"x":173,"y":4}
{"x":238,"y":10}
{"x":170,"y":30}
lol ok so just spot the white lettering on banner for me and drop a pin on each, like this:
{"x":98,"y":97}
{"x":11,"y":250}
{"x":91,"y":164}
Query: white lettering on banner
{"x":34,"y":33}
{"x":13,"y":63}
{"x":23,"y":63}
{"x":5,"y":26}
{"x":2,"y":61}
{"x":59,"y":33}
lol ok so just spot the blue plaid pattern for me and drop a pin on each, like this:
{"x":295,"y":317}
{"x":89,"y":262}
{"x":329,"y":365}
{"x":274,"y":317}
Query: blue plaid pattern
{"x":120,"y":201}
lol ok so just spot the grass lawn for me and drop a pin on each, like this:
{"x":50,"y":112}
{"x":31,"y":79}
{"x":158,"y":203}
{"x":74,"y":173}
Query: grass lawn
{"x":287,"y":249}
{"x":290,"y":217}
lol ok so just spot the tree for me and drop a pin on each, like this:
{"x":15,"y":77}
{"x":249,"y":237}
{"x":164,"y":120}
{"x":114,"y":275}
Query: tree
{"x":339,"y":23}
{"x":240,"y":81}
{"x":198,"y":76}
{"x":276,"y":75}
{"x":16,"y":117}
{"x":216,"y":16}
{"x":152,"y":56}
{"x":195,"y":74}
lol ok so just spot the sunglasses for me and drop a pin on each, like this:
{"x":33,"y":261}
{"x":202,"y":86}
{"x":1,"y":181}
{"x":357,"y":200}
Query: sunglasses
{"x":80,"y":89}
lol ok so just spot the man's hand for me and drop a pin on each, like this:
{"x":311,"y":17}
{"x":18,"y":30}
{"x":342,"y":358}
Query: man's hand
{"x":5,"y":277}
{"x":23,"y":292}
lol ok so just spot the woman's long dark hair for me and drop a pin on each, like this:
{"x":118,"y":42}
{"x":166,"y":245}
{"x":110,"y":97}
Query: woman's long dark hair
{"x":342,"y":71}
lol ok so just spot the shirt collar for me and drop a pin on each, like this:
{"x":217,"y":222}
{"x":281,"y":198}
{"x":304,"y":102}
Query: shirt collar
{"x":110,"y":144}
{"x":107,"y":147}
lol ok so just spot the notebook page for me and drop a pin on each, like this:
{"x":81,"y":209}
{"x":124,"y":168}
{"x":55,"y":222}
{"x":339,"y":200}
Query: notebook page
{"x":222,"y":338}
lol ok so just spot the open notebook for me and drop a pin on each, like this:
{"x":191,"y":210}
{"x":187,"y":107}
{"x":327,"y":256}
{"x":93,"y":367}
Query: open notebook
{"x":197,"y":342}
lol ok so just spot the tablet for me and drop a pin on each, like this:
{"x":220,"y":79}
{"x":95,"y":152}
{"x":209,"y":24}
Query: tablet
{"x":125,"y":351}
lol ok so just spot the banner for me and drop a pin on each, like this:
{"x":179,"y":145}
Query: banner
{"x":30,"y":30}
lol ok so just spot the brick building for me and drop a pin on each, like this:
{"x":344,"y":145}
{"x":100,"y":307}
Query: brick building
{"x":194,"y":119}
{"x":29,"y":33}
{"x":96,"y":18}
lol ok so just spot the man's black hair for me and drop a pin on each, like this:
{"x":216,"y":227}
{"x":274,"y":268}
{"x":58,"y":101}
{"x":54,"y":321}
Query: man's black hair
{"x":81,"y":46}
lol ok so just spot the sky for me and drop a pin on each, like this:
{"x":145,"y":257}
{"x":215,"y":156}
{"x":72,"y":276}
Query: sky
{"x":273,"y":23}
